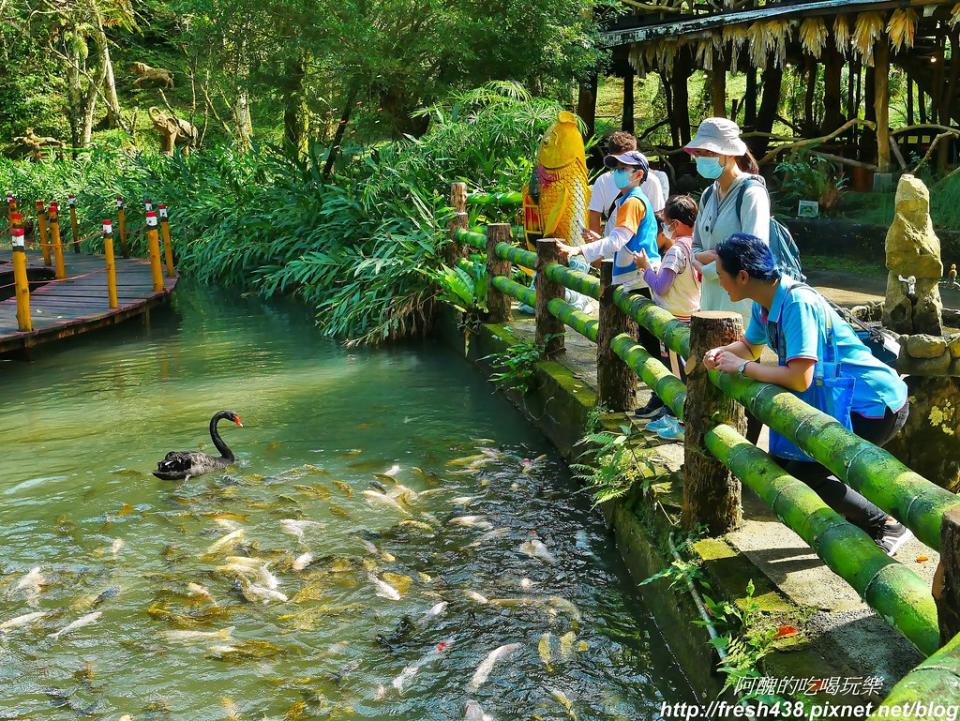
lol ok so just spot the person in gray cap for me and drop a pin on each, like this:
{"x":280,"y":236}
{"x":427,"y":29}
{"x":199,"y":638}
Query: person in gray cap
{"x":736,"y":202}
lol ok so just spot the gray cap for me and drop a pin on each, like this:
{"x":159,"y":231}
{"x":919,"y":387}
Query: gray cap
{"x":632,"y":157}
{"x":718,"y":135}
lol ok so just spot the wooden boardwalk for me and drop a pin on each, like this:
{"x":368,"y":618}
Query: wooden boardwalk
{"x":77,"y":304}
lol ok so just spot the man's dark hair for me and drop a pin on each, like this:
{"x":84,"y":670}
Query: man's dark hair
{"x":682,"y":208}
{"x":742,"y":251}
{"x":620,"y":142}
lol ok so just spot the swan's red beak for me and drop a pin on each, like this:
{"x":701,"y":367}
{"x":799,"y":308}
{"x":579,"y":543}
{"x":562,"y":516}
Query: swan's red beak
{"x":236,"y":419}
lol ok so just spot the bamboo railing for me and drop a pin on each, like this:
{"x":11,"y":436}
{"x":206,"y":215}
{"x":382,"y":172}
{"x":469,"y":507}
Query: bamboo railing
{"x":898,"y":594}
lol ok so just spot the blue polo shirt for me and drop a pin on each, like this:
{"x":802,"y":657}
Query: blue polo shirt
{"x":801,"y":316}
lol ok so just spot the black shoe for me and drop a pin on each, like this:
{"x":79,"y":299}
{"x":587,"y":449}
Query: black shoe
{"x":652,"y":409}
{"x":893,"y":536}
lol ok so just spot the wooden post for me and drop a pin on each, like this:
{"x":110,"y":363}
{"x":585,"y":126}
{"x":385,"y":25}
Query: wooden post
{"x":881,"y":102}
{"x":946,"y":581}
{"x":549,"y":329}
{"x":20,"y":280}
{"x":53,"y":215}
{"x":832,"y":76}
{"x":626,"y":117}
{"x":498,"y":304}
{"x":42,"y":236}
{"x":74,"y":226}
{"x":122,"y":227}
{"x":460,"y":220}
{"x":587,"y":103}
{"x":750,"y":99}
{"x":616,"y":381}
{"x":153,"y":243}
{"x":711,"y":493}
{"x":167,"y":242}
{"x":718,"y":88}
{"x":111,"y":264}
{"x":909,"y":100}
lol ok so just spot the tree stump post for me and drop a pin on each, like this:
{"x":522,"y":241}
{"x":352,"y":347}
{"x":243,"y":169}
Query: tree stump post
{"x":616,"y":381}
{"x":711,"y":493}
{"x":549,"y":329}
{"x":946,"y":582}
{"x":458,"y":201}
{"x":498,"y":304}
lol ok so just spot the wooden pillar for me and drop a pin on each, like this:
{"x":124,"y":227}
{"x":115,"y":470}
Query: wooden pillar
{"x":681,"y":98}
{"x":549,"y":329}
{"x":587,"y":103}
{"x":498,"y":304}
{"x":946,"y":581}
{"x":616,"y":381}
{"x":867,"y":142}
{"x":718,"y":88}
{"x":809,"y":121}
{"x":668,"y":101}
{"x":909,"y":100}
{"x":851,"y":104}
{"x":750,"y":99}
{"x":711,"y":493}
{"x":626,"y":118}
{"x":881,"y":102}
{"x":832,"y":69}
{"x":458,"y":201}
{"x":767,"y":113}
{"x":949,"y":94}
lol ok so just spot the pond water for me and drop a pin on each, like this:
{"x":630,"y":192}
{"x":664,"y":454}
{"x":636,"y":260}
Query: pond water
{"x":194,"y":600}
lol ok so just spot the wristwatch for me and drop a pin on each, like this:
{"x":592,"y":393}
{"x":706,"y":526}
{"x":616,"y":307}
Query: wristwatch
{"x":743,"y":368}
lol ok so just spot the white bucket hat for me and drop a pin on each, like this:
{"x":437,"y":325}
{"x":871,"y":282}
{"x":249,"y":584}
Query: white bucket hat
{"x":718,"y":135}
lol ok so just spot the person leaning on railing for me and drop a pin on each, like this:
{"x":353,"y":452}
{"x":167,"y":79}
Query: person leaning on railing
{"x":634,"y":229}
{"x":794,"y":320}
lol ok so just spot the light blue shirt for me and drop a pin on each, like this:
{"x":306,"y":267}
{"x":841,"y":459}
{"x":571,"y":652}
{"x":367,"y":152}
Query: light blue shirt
{"x":801,"y":316}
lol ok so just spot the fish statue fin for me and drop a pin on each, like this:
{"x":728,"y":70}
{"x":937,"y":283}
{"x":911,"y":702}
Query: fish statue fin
{"x":553,"y":218}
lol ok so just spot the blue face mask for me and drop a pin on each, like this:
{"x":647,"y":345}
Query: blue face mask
{"x":709,"y":168}
{"x":622,"y":178}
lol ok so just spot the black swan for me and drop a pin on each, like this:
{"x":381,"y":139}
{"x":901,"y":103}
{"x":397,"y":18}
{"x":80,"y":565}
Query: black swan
{"x":178,"y":465}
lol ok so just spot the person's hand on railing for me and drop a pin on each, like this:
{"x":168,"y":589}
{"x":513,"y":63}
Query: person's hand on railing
{"x":566,"y":252}
{"x":723,"y":360}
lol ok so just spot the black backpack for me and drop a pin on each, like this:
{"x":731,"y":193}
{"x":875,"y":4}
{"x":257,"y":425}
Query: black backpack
{"x":786,"y":255}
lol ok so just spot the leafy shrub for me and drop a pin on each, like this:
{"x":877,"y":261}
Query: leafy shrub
{"x":811,"y":177}
{"x":360,"y":249}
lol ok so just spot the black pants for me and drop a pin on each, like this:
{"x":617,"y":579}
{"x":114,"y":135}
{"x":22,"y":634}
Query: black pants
{"x":838,"y":495}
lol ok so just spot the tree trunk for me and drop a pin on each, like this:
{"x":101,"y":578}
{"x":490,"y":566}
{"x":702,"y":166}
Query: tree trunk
{"x":833,"y":67}
{"x":750,"y":100}
{"x":769,"y":104}
{"x":881,"y":102}
{"x":681,"y":98}
{"x":668,"y":101}
{"x":909,"y":100}
{"x":868,"y":138}
{"x":809,"y":122}
{"x":851,"y":105}
{"x":110,"y":85}
{"x":587,"y":103}
{"x":626,"y":120}
{"x":616,"y":381}
{"x":296,"y":121}
{"x":341,"y":129}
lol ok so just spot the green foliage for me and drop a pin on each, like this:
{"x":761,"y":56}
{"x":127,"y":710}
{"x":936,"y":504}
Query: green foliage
{"x":464,"y":286}
{"x":616,"y":467}
{"x":518,"y":366}
{"x":361,"y":250}
{"x":811,"y":177}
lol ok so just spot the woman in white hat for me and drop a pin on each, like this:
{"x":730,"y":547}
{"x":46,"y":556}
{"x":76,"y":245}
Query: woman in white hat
{"x":736,"y":202}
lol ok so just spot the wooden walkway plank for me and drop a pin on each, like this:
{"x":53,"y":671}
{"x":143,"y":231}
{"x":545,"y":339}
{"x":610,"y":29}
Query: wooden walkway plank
{"x":77,"y":304}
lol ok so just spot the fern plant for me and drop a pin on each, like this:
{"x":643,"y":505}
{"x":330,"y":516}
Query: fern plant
{"x":517,"y":366}
{"x":617,"y":466}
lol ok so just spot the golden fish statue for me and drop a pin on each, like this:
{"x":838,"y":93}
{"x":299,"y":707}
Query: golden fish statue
{"x":556,"y":198}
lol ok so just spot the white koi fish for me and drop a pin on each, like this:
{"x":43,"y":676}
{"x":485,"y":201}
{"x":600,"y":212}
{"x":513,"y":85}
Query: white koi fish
{"x":79,"y":623}
{"x":20,"y":621}
{"x":482,"y":673}
{"x":382,"y":499}
{"x":536,"y":549}
{"x":302,"y":561}
{"x":231,"y":539}
{"x":384,"y":589}
{"x":471,"y":522}
{"x":224,"y":634}
{"x":473,"y":712}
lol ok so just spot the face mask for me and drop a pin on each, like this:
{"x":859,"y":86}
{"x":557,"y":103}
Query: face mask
{"x":709,"y":168}
{"x":622,"y":178}
{"x":667,"y":233}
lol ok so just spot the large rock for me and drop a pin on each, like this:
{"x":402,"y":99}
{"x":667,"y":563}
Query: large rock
{"x":926,"y":346}
{"x":930,"y":441}
{"x":913,"y":250}
{"x":912,"y":247}
{"x":953,"y":342}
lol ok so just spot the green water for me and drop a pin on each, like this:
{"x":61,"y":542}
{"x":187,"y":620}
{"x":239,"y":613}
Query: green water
{"x":81,"y":426}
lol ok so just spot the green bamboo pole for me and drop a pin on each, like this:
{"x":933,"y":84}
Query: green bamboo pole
{"x":471,"y":237}
{"x":519,"y":256}
{"x":581,"y":322}
{"x":934,"y":681}
{"x":901,"y":597}
{"x":909,"y":497}
{"x":661,"y":323}
{"x":515,"y":290}
{"x":486,"y":199}
{"x":574,"y":280}
{"x":655,"y":374}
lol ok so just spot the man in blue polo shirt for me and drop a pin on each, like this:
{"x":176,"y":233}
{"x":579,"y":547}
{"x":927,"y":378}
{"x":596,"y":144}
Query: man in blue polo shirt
{"x":796,"y":322}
